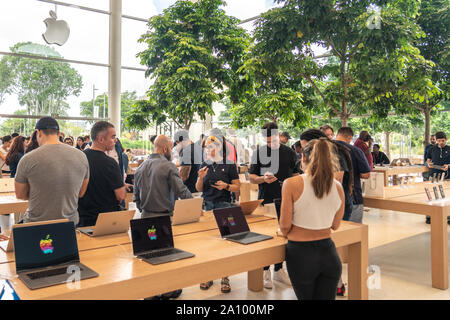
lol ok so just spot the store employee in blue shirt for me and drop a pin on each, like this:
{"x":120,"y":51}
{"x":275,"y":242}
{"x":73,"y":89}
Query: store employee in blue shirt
{"x":439,"y":155}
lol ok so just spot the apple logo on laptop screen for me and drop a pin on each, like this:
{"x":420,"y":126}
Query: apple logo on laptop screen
{"x":57,"y":32}
{"x":46,"y":245}
{"x":152,"y":233}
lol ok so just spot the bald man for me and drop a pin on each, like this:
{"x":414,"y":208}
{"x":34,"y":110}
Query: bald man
{"x":157,"y":183}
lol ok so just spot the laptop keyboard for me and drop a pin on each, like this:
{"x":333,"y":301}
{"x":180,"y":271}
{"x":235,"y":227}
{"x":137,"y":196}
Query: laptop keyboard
{"x":47,"y":273}
{"x":161,"y":253}
{"x":243,"y":236}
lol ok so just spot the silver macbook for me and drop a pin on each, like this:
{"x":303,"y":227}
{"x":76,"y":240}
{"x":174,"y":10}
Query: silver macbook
{"x":110,"y":223}
{"x":187,"y":211}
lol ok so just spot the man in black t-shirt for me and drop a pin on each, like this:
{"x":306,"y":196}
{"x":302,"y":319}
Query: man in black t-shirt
{"x":378,"y":156}
{"x":271,"y":164}
{"x":191,"y":157}
{"x":106,"y":188}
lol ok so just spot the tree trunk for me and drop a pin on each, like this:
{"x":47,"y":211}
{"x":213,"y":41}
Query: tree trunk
{"x":344,"y":120}
{"x":387,"y":148}
{"x":427,"y":113}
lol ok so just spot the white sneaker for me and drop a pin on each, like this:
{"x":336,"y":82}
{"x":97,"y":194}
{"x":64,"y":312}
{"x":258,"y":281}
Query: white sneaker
{"x":282,"y":277}
{"x":268,"y":279}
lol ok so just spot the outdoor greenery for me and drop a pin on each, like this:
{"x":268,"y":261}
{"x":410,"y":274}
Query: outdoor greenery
{"x":127,"y":100}
{"x":41,"y":85}
{"x":194,"y":51}
{"x":385,"y":69}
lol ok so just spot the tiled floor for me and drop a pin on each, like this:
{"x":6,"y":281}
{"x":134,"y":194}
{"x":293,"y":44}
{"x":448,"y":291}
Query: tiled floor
{"x":399,"y":244}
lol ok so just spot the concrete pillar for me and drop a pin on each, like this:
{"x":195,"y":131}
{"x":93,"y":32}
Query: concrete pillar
{"x":115,"y":62}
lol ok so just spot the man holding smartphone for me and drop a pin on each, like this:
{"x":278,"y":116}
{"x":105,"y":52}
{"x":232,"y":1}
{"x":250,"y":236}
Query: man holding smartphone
{"x":271,"y":164}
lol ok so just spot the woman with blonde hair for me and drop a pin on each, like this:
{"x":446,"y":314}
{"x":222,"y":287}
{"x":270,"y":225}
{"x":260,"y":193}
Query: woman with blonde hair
{"x":313,"y":204}
{"x":217,"y":179}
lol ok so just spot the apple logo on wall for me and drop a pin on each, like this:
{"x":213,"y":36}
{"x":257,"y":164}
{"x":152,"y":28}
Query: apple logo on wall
{"x":58,"y":31}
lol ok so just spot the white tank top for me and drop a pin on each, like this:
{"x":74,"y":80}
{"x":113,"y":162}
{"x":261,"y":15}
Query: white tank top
{"x":313,"y":213}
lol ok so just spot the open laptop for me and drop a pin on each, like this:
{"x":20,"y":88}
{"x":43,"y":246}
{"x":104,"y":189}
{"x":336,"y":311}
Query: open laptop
{"x":47,"y":255}
{"x":234,"y":227}
{"x":187,"y":211}
{"x":153,"y":240}
{"x":110,"y":223}
{"x":8,"y":245}
{"x":249,"y":206}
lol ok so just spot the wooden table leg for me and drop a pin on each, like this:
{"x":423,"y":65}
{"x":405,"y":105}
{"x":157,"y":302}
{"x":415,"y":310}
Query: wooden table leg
{"x":358,"y":259}
{"x":386,"y":179}
{"x":255,"y":280}
{"x":439,"y":251}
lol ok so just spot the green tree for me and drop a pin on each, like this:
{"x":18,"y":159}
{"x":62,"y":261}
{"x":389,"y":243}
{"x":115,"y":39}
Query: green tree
{"x":6,"y":79}
{"x":194,"y":51}
{"x":15,"y":125}
{"x":127,"y":100}
{"x":434,"y":19}
{"x":41,"y":85}
{"x":370,"y":59}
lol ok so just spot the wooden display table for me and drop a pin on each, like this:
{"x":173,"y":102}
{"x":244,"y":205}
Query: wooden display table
{"x":396,"y":170}
{"x":207,"y":222}
{"x":124,"y":277}
{"x":414,"y":200}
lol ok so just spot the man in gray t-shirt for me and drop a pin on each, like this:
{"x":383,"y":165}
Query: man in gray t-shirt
{"x":52,"y":177}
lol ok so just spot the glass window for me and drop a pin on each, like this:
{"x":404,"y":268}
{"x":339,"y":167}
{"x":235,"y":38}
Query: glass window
{"x":131,"y":32}
{"x":23,"y":21}
{"x":145,"y":9}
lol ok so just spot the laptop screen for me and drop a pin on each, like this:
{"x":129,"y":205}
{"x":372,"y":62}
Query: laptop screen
{"x":45,"y":245}
{"x":230,"y":221}
{"x":151,"y":233}
{"x":277,"y":203}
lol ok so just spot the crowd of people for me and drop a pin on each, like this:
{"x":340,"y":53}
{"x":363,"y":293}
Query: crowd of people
{"x":318,"y":180}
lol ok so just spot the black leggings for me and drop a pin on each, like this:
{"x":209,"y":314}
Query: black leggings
{"x":314,"y":268}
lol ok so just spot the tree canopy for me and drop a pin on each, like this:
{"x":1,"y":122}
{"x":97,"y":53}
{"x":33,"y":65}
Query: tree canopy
{"x":371,"y":47}
{"x":127,"y":100}
{"x":41,"y":85}
{"x":194,"y":51}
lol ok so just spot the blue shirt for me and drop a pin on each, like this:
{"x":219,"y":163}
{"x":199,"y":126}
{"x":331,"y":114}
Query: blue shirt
{"x":360,"y":166}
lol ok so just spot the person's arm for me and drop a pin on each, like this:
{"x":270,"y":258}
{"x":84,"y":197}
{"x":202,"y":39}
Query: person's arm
{"x":363,"y":165}
{"x":136,"y":192}
{"x":22,"y":190}
{"x":177,"y":185}
{"x":340,"y":213}
{"x":184,"y":172}
{"x":386,"y":159}
{"x":201,"y":176}
{"x":84,"y":187}
{"x":339,"y":176}
{"x":21,"y":184}
{"x":3,"y":156}
{"x":235,"y":185}
{"x":287,"y":207}
{"x":85,"y":183}
{"x":120,"y":193}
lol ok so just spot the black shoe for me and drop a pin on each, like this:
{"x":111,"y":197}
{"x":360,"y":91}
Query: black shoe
{"x":428,"y":220}
{"x":172,"y":295}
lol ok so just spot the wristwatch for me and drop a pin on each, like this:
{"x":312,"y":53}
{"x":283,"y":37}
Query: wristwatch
{"x":228,"y":187}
